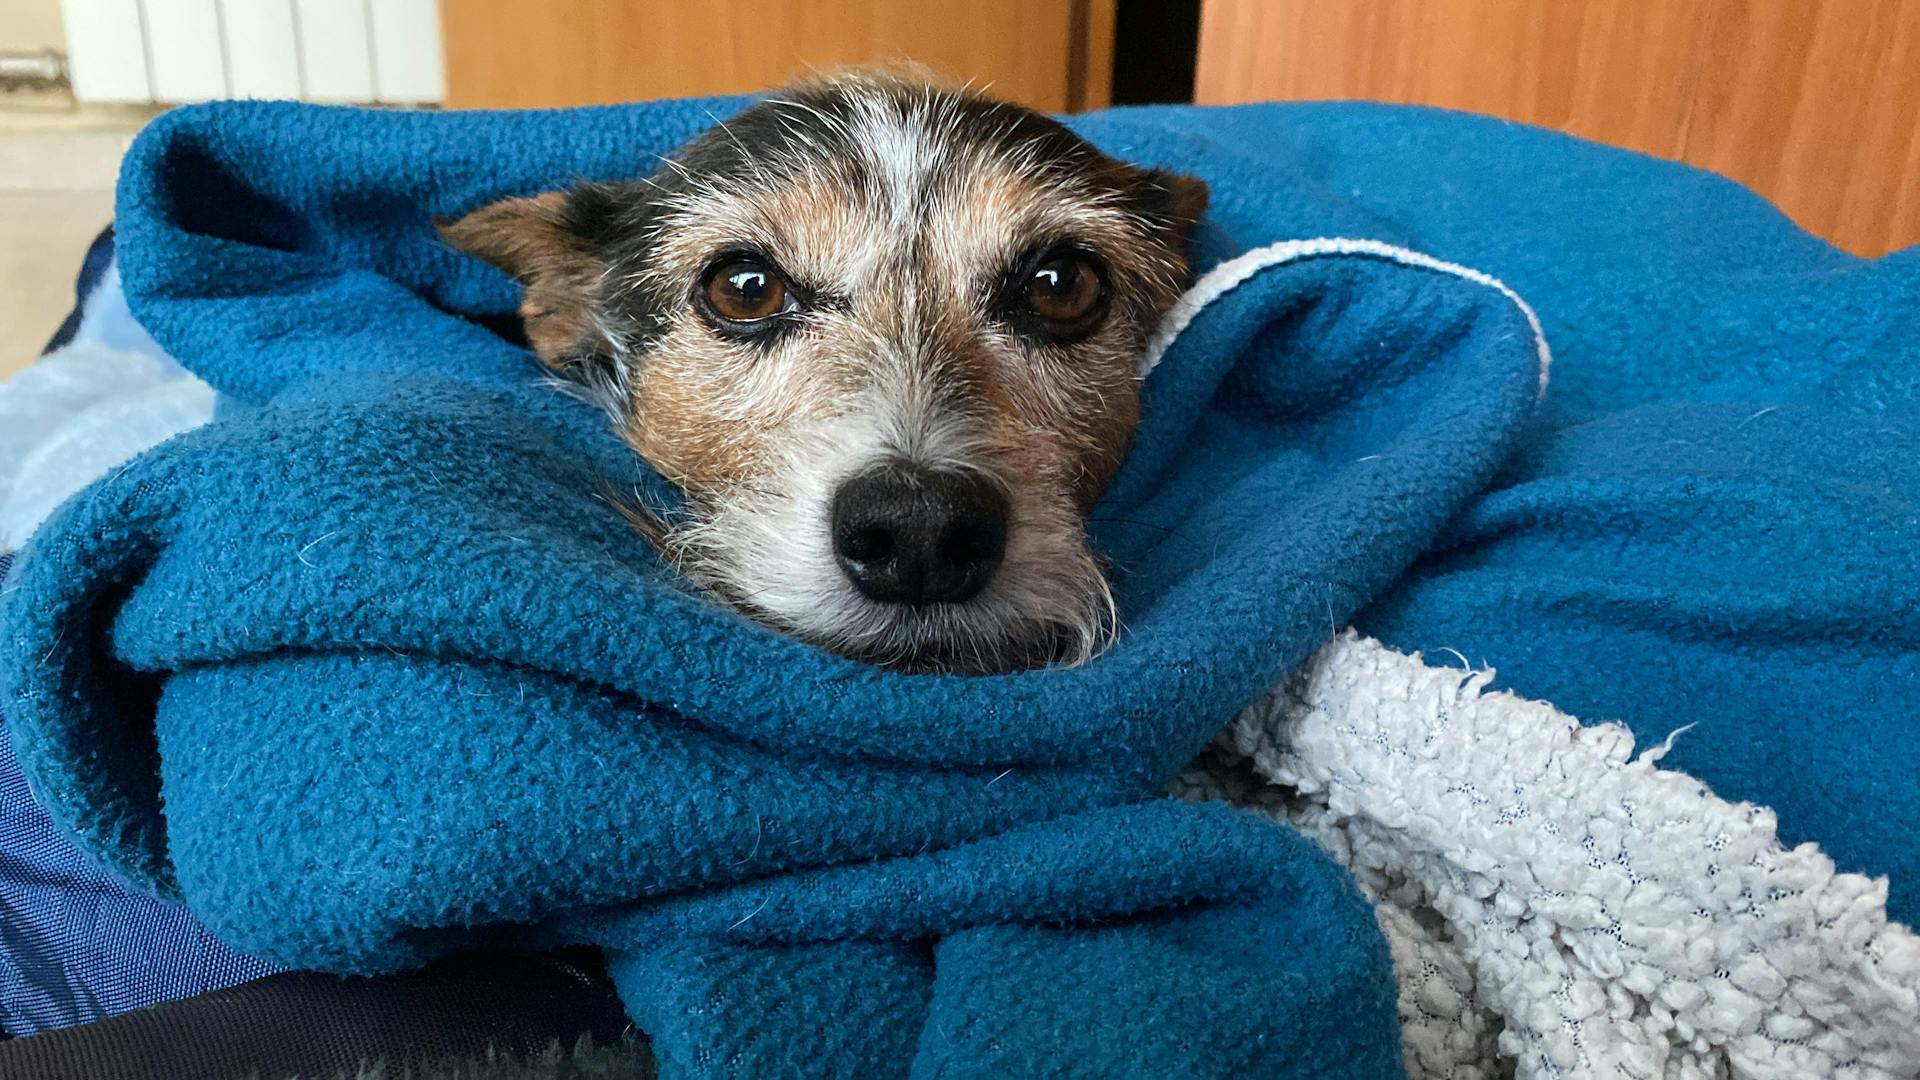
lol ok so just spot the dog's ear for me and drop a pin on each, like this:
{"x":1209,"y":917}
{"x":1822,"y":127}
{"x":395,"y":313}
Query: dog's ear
{"x":1175,"y":200}
{"x":545,"y":244}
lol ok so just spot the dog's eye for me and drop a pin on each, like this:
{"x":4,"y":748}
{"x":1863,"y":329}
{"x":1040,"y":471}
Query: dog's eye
{"x":1066,"y":290}
{"x":746,"y":290}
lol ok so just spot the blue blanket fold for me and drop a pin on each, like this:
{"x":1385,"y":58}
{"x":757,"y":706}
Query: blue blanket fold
{"x":1714,"y":523}
{"x":366,"y":670}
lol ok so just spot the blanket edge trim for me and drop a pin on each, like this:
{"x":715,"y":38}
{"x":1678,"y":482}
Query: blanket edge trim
{"x":1229,"y":275}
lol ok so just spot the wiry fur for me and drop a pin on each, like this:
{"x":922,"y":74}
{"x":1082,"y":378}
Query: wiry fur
{"x":898,"y":210}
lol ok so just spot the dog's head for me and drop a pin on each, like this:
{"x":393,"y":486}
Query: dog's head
{"x":888,"y":339}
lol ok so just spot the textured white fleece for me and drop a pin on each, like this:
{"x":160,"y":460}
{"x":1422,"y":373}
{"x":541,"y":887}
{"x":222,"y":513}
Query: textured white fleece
{"x":1557,"y":906}
{"x":79,"y":413}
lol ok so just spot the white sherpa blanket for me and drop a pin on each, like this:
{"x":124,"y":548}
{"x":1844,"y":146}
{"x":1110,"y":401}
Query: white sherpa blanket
{"x":1559,"y":907}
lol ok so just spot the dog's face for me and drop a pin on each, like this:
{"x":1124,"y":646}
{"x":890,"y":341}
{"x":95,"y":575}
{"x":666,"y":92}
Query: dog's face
{"x":888,"y":339}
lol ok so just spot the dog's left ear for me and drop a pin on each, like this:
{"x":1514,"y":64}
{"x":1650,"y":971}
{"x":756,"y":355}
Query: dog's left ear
{"x":541,"y":241}
{"x":1176,"y":200}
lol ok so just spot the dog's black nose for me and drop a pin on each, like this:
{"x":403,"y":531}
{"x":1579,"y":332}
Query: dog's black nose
{"x":910,"y":535}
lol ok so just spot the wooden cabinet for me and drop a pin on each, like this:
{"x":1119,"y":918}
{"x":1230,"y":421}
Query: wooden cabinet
{"x":1813,"y":103}
{"x":1052,"y":54}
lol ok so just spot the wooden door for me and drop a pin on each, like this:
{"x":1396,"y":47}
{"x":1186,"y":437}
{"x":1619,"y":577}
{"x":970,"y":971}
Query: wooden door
{"x":1054,"y":55}
{"x":1813,"y":103}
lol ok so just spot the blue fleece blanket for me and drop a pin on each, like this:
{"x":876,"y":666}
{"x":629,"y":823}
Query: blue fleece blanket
{"x":366,"y":671}
{"x":1715,"y":519}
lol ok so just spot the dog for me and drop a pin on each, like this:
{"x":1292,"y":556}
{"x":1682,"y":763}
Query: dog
{"x":886,"y":336}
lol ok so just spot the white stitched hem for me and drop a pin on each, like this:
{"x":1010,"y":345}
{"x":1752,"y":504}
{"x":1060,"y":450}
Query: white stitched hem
{"x":1229,"y":275}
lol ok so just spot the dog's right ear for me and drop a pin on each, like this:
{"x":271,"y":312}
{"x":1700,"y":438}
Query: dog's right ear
{"x":1176,"y":201}
{"x":545,"y":244}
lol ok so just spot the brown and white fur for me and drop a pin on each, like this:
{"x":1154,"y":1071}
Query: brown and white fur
{"x":914,"y":392}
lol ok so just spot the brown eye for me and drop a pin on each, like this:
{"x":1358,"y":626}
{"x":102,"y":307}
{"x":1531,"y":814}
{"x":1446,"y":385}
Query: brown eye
{"x":1066,"y":289}
{"x":746,"y":290}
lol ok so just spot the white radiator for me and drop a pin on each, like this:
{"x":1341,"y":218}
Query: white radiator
{"x":314,"y":50}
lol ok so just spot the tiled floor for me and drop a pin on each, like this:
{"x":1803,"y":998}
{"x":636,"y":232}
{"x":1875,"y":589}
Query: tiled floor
{"x":43,"y":234}
{"x":57,"y":169}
